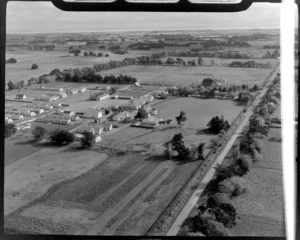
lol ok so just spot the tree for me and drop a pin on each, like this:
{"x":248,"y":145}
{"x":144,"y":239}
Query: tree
{"x":142,"y":114}
{"x":200,"y":61}
{"x":200,"y":151}
{"x":181,"y":118}
{"x":11,"y":60}
{"x":10,"y":129}
{"x":257,"y":125}
{"x":34,"y":66}
{"x":216,"y":124}
{"x":178,"y":145}
{"x":11,"y":85}
{"x":62,"y":137}
{"x":38,"y":133}
{"x":170,"y":61}
{"x":88,"y":140}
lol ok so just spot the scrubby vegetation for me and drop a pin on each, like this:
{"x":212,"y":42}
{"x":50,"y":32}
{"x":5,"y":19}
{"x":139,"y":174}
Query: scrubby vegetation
{"x":61,"y":137}
{"x":9,"y":130}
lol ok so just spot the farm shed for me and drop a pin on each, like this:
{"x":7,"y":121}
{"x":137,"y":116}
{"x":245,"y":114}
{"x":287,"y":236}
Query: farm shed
{"x":39,"y":105}
{"x":46,"y":98}
{"x":55,"y":119}
{"x":82,"y":90}
{"x":20,"y":112}
{"x":50,"y":89}
{"x":107,"y":127}
{"x":120,"y":116}
{"x":21,"y":96}
{"x":90,"y":113}
{"x":79,"y":136}
{"x":125,"y":97}
{"x":17,"y":117}
{"x":60,"y":94}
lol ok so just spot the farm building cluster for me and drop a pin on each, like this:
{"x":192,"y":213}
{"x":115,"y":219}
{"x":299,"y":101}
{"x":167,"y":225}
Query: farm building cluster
{"x":47,"y":105}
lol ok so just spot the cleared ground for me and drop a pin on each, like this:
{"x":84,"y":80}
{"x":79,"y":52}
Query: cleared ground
{"x":31,"y":176}
{"x":185,"y":75}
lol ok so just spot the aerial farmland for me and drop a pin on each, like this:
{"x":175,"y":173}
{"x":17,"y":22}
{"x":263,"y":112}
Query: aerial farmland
{"x":110,"y":133}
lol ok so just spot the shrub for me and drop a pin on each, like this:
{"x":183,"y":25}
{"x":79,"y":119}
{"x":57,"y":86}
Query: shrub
{"x":88,"y":140}
{"x":10,"y":129}
{"x":38,"y":133}
{"x":226,"y":186}
{"x":256,"y":156}
{"x":240,"y":185}
{"x":223,"y":172}
{"x":214,"y":228}
{"x":217,"y":199}
{"x":34,"y":66}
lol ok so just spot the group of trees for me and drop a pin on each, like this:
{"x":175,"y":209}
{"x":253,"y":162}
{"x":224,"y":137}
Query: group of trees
{"x":217,"y":124}
{"x":62,"y":137}
{"x":184,"y":153}
{"x":46,"y":78}
{"x":89,"y":74}
{"x":196,"y":52}
{"x":180,"y":62}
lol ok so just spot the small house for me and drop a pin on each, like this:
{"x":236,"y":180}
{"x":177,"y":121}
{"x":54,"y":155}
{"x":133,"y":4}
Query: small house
{"x":82,"y":90}
{"x":8,"y":120}
{"x":21,"y":96}
{"x":120,"y":116}
{"x":107,"y":127}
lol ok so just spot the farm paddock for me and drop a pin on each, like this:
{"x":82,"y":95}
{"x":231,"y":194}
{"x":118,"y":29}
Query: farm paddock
{"x":187,"y":75}
{"x":134,"y":190}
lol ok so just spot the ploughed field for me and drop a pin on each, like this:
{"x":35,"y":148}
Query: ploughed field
{"x":187,"y":75}
{"x":122,"y":195}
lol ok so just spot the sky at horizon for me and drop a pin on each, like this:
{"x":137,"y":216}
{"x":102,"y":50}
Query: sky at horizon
{"x":44,"y":17}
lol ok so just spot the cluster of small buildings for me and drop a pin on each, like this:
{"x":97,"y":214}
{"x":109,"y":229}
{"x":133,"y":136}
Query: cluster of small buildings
{"x":58,"y":118}
{"x":98,"y":96}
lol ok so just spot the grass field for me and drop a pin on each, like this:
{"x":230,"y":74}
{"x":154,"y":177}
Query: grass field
{"x":31,"y":176}
{"x":199,"y":112}
{"x":184,"y":75}
{"x":263,"y":207}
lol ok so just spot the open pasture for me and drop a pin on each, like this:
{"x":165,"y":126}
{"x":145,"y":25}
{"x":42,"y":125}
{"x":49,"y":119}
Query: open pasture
{"x":186,"y":75}
{"x":30,"y":177}
{"x":265,"y":177}
{"x":220,"y":61}
{"x":198,"y":111}
{"x":47,"y":61}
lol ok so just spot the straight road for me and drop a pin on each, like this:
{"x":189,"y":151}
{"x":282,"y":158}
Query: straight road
{"x":209,"y":175}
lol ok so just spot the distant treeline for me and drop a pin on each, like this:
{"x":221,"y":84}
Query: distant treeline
{"x":88,"y":74}
{"x":232,"y":42}
{"x":229,"y":55}
{"x":249,"y":64}
{"x":271,"y":47}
